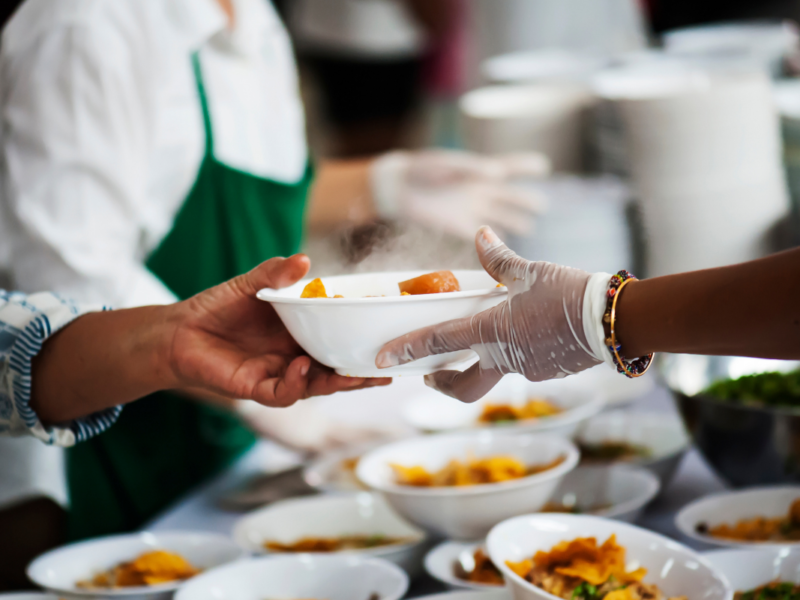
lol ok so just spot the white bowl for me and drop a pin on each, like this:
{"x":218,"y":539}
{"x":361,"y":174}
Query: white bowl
{"x":748,"y":569}
{"x":662,"y":433}
{"x":676,"y":569}
{"x":327,"y":472}
{"x":332,"y":516}
{"x":347,"y":333}
{"x":333,"y":577}
{"x":730,"y":507}
{"x":469,"y":512}
{"x":437,"y":412}
{"x":439,"y":563}
{"x":622,"y":490}
{"x":495,"y":594}
{"x":59,"y":569}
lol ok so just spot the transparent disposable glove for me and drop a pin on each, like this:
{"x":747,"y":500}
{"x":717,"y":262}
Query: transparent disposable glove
{"x":458,"y":191}
{"x":550,"y":326}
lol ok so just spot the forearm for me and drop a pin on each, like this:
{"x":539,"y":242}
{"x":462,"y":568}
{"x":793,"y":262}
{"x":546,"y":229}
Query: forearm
{"x":101,"y":360}
{"x":341,"y":194}
{"x":750,"y":309}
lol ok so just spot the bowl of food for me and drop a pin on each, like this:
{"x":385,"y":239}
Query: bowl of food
{"x":743,"y":414}
{"x":496,"y":594}
{"x":514,"y":405}
{"x":762,"y":517}
{"x":300,"y":577}
{"x":344,"y":321}
{"x":655,"y":441}
{"x":581,"y":557}
{"x":335,"y":470}
{"x":360,"y":523}
{"x":463,"y":566}
{"x":459,"y":485}
{"x":763,"y":574}
{"x":139,"y":565}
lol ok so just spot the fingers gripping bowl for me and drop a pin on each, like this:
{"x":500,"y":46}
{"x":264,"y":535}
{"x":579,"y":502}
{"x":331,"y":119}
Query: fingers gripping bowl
{"x":467,"y":512}
{"x":347,"y":333}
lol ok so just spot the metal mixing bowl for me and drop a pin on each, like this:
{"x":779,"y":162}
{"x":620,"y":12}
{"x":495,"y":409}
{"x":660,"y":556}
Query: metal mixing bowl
{"x":745,"y":445}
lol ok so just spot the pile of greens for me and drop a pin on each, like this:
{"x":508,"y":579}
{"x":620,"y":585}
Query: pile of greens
{"x":763,"y":389}
{"x":773,"y":591}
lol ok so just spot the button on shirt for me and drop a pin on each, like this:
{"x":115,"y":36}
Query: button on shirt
{"x":102,"y":133}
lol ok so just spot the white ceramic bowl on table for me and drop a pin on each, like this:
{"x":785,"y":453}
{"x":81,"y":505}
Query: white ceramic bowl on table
{"x":440,"y":564}
{"x":330,"y":471}
{"x":333,"y":516}
{"x":333,"y":577}
{"x":467,"y":512}
{"x":59,"y":570}
{"x":436,"y":412}
{"x":747,"y":569}
{"x":347,"y":333}
{"x":496,"y":594}
{"x":730,"y":507}
{"x":663,"y":435}
{"x":674,"y":568}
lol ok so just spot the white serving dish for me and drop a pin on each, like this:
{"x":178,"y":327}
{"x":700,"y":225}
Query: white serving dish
{"x":58,"y":570}
{"x":676,"y":569}
{"x":467,"y":513}
{"x":327,"y":472}
{"x":496,"y":594}
{"x":347,"y":333}
{"x":747,"y":569}
{"x":332,"y":516}
{"x":440,"y":560}
{"x":333,"y":577}
{"x":435,"y":412}
{"x":662,"y":433}
{"x":623,"y":490}
{"x":730,"y":507}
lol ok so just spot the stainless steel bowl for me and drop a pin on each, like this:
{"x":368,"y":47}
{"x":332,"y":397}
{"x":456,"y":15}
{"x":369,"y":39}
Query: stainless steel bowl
{"x":745,"y":445}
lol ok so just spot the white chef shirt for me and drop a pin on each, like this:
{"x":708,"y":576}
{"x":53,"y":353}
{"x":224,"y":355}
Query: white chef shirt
{"x":102,"y":132}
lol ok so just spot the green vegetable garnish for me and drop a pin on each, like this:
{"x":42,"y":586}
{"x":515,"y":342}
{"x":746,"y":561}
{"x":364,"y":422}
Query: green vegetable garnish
{"x":763,"y":389}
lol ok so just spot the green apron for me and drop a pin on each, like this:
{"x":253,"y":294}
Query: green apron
{"x":164,"y":445}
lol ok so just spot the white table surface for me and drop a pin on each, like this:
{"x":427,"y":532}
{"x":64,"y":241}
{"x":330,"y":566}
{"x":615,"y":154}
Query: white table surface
{"x":199,"y":510}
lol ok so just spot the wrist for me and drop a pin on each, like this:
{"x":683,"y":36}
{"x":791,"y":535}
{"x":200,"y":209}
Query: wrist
{"x":594,"y":306}
{"x":156,"y":346}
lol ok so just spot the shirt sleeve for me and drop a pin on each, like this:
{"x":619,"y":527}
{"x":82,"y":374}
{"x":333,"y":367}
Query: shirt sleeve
{"x":25,"y":324}
{"x":78,"y":126}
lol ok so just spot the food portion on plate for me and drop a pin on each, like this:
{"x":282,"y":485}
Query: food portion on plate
{"x":582,"y":570}
{"x":336,"y":544}
{"x":763,"y":389}
{"x":480,"y":570}
{"x":438,"y":282}
{"x":473,"y":471}
{"x":612,"y":451}
{"x":150,"y":568}
{"x":785,"y":528}
{"x":775,"y":590}
{"x":534,"y":408}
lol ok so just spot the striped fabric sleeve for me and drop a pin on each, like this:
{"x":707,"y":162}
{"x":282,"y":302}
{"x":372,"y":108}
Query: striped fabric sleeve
{"x":26,"y":321}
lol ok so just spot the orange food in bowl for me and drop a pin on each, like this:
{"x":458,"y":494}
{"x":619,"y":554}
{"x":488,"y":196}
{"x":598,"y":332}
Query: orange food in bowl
{"x":314,"y":289}
{"x":431,"y":283}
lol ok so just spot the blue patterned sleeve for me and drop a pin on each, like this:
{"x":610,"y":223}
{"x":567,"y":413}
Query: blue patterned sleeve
{"x":26,"y":321}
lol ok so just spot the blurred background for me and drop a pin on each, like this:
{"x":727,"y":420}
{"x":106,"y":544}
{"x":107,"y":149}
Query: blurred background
{"x":672,"y":126}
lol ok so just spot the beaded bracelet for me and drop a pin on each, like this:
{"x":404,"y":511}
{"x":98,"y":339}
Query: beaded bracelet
{"x":630,"y":368}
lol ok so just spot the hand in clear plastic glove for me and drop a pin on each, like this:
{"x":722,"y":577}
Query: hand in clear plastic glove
{"x":538,"y":331}
{"x":307,"y":428}
{"x":458,"y":191}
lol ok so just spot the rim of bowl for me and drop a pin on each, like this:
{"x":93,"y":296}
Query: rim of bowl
{"x":700,"y":397}
{"x":332,"y":460}
{"x":239,"y":533}
{"x":272,"y":295}
{"x":453,"y":580}
{"x":352,"y":560}
{"x":651,"y":416}
{"x":569,"y":463}
{"x":511,"y":576}
{"x":653,"y":487}
{"x":146,"y":590}
{"x":688,"y":529}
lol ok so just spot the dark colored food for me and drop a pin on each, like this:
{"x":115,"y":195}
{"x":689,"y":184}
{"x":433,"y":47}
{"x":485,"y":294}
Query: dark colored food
{"x":484,"y":572}
{"x":612,"y":451}
{"x":758,"y":529}
{"x":346,"y":542}
{"x":763,"y":389}
{"x":777,"y":590}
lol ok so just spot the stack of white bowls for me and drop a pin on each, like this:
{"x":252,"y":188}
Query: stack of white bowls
{"x":547,"y":117}
{"x":704,"y":154}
